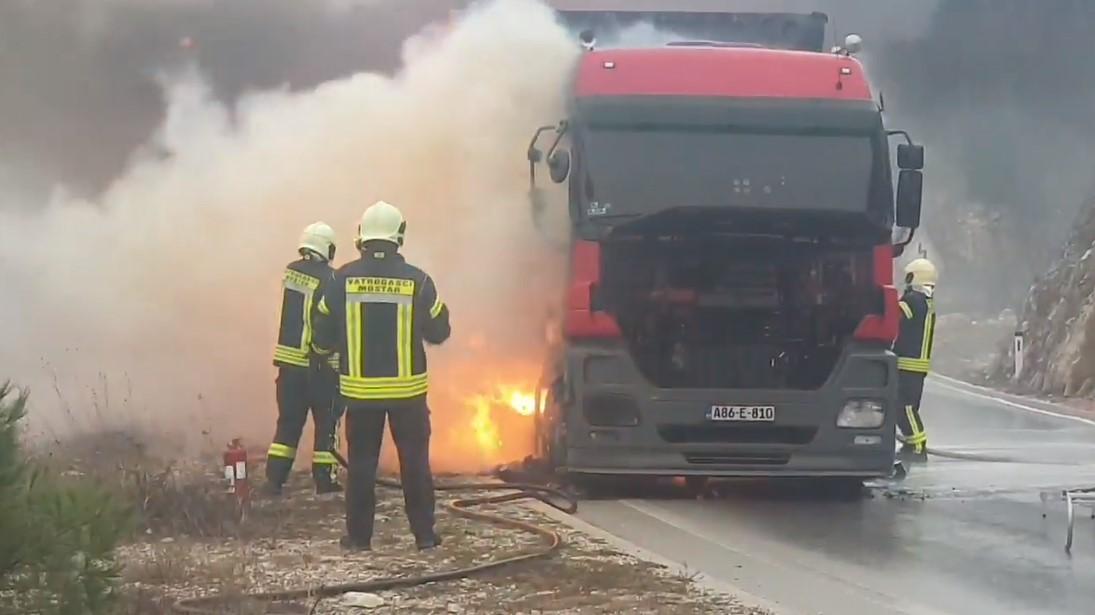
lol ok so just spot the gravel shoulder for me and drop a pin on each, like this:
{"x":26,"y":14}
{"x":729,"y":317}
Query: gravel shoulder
{"x":293,"y":542}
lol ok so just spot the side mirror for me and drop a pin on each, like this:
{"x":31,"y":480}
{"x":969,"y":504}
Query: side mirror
{"x":559,"y":165}
{"x":910,"y":157}
{"x":910,"y":189}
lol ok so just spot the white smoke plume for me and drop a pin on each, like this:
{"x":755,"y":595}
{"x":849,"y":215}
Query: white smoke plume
{"x":156,"y":303}
{"x":639,"y":35}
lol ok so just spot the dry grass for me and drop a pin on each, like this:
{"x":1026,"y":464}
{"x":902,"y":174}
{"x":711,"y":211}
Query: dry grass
{"x":182,"y":502}
{"x":170,"y":498}
{"x":587,"y":576}
{"x":192,"y":543}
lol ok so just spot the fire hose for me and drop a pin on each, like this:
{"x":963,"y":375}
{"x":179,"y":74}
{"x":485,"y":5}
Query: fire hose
{"x":934,"y":452}
{"x":1072,"y":497}
{"x":516,"y":491}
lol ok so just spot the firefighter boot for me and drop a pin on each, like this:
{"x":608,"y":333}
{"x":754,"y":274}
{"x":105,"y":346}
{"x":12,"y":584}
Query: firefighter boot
{"x":325,"y":480}
{"x":279,"y":462}
{"x":325,"y":472}
{"x":428,"y":543}
{"x":914,"y":453}
{"x":899,"y":472}
{"x":349,"y":544}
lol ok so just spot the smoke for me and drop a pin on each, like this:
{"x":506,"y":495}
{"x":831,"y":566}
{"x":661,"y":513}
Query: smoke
{"x":638,"y":35}
{"x":1002,"y":94}
{"x":80,"y":88}
{"x":161,"y":295}
{"x":144,"y":269}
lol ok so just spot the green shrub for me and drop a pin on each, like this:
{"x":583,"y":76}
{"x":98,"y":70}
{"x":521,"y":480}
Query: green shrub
{"x":57,"y":536}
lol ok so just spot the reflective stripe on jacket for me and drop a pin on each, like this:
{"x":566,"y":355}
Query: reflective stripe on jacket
{"x":378,"y":312}
{"x":917,"y":333}
{"x":302,"y":285}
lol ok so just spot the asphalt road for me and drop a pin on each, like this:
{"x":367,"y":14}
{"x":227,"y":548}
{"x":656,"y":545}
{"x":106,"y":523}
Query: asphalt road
{"x":956,"y":536}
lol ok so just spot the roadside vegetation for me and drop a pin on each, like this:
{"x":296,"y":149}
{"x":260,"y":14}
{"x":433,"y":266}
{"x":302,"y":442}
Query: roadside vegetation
{"x":57,"y":533}
{"x":101,"y":524}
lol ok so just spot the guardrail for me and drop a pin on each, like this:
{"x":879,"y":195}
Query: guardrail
{"x":1073,"y":499}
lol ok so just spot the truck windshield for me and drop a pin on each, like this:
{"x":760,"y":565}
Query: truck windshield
{"x":642,"y":170}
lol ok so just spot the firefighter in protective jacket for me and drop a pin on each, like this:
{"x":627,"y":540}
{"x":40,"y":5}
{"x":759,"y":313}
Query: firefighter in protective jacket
{"x":306,"y":380}
{"x":914,"y":350}
{"x":377,"y":313}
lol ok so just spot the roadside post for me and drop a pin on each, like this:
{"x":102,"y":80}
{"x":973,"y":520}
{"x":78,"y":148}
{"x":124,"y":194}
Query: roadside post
{"x":1018,"y":348}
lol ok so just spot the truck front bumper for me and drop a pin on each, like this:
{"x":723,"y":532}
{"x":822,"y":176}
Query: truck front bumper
{"x":618,"y":424}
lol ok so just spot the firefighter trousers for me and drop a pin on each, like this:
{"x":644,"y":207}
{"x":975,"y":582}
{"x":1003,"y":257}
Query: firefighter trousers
{"x":910,"y":387}
{"x":300,"y":390}
{"x":410,"y":427}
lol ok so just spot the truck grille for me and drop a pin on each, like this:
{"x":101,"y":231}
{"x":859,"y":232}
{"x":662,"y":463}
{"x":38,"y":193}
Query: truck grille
{"x":737,"y":434}
{"x":757,"y":459}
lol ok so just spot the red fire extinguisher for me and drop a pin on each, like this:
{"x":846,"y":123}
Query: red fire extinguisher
{"x":236,"y":473}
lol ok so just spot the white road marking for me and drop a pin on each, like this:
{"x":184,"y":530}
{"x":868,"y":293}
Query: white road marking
{"x":948,"y":383}
{"x":624,"y":545}
{"x":845,"y":582}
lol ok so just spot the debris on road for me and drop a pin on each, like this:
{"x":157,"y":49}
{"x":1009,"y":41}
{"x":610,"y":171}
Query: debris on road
{"x":362,"y":600}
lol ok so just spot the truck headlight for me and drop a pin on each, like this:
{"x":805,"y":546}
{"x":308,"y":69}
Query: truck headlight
{"x":861,"y":414}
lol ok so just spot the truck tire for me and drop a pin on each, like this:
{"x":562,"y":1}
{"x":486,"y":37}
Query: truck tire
{"x":842,"y":487}
{"x":695,"y":486}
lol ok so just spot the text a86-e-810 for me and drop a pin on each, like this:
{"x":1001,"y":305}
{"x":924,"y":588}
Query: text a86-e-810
{"x":742,"y":413}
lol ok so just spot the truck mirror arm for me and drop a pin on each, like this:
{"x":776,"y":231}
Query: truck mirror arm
{"x":908,"y":139}
{"x":560,"y":130}
{"x":899,"y":247}
{"x":535,"y":155}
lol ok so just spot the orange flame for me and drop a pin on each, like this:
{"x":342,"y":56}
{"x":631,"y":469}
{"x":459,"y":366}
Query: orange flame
{"x":523,"y":403}
{"x":486,"y":432}
{"x":486,"y":425}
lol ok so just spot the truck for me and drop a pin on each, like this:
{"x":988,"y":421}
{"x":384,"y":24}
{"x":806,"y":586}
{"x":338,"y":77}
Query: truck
{"x":733,"y":226}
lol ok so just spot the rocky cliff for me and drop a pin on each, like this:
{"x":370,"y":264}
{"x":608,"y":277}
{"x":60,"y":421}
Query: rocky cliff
{"x":1059,"y":321}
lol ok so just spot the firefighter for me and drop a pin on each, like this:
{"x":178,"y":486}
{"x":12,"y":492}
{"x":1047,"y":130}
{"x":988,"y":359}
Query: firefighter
{"x":306,"y":379}
{"x":914,"y":352}
{"x":378,"y":312}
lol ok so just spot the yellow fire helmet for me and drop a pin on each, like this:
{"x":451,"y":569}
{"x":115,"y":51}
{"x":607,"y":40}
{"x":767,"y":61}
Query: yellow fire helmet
{"x":921,"y":273}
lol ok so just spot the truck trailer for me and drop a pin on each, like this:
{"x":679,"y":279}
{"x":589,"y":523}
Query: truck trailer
{"x":730,"y":307}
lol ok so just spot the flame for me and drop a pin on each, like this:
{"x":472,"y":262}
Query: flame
{"x":486,"y":432}
{"x":523,"y":403}
{"x":487,"y":426}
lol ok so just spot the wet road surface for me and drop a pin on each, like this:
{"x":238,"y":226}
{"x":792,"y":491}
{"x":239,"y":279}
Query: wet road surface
{"x":956,"y":536}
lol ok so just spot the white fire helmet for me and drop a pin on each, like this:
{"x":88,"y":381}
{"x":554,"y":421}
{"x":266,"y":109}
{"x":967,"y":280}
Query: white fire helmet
{"x":381,"y":222}
{"x":921,"y":273}
{"x":318,"y":238}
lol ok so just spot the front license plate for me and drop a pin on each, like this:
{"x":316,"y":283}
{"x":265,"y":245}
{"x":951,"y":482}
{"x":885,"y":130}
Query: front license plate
{"x":742,"y":413}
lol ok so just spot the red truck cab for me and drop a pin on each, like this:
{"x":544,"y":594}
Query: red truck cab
{"x":731,"y":304}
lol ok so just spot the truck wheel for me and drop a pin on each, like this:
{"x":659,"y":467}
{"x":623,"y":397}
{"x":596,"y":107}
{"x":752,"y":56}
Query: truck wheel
{"x":587,"y":487}
{"x":695,"y":486}
{"x":553,"y":446}
{"x":844,"y":488}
